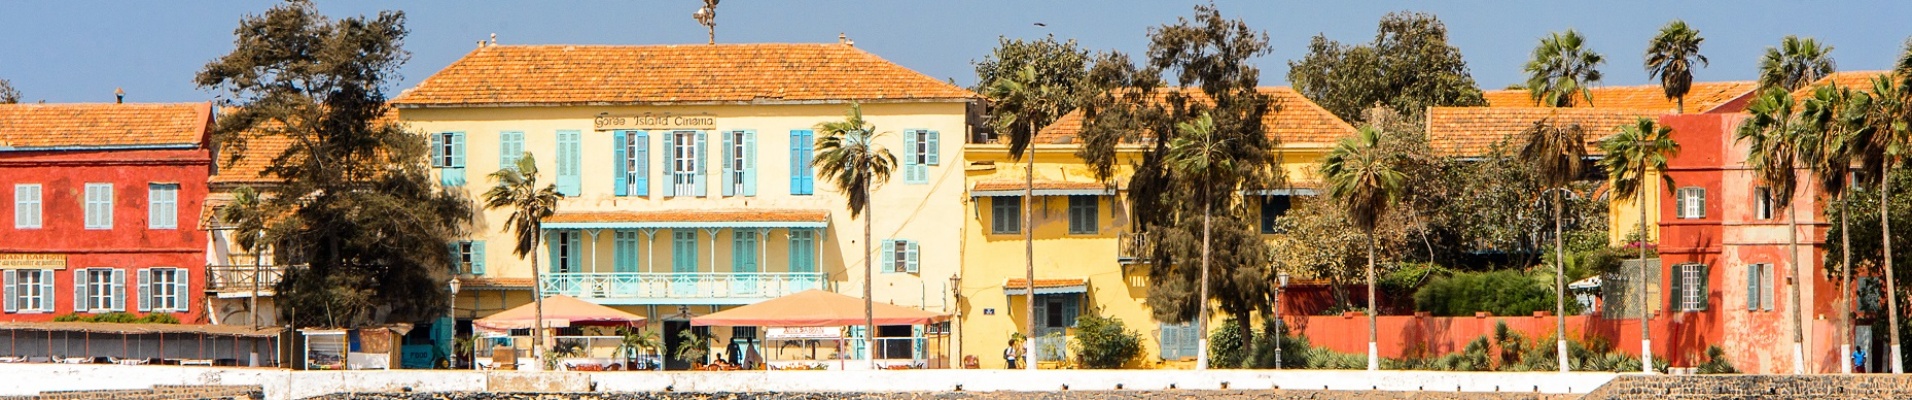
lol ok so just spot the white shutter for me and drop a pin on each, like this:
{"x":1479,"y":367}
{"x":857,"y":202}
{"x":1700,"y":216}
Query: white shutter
{"x":119,"y":290}
{"x":145,"y":276}
{"x":46,"y":290}
{"x":11,"y":296}
{"x":182,"y":296}
{"x":912,"y":256}
{"x":79,"y":291}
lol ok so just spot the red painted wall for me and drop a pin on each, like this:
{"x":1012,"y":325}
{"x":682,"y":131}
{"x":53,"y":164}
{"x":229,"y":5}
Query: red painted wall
{"x":130,"y":244}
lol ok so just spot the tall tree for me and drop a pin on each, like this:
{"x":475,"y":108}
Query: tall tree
{"x":847,"y":154}
{"x":1409,"y":67}
{"x":1561,"y":68}
{"x":516,"y":190}
{"x":1032,"y":83}
{"x":1774,"y":137}
{"x":1795,"y":63}
{"x":1557,"y":157}
{"x":362,"y":211}
{"x":8,"y":94}
{"x":1670,"y":57}
{"x":1208,"y":58}
{"x":1633,"y":156}
{"x":1882,"y":139}
{"x":1829,"y":153}
{"x":1364,"y":181}
{"x":1199,"y":153}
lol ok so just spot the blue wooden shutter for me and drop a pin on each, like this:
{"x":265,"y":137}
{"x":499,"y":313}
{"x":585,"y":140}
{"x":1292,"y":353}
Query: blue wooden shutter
{"x":119,"y":290}
{"x":912,"y":256}
{"x":457,"y":256}
{"x":703,"y":167}
{"x":1071,"y":305}
{"x":1165,"y":341}
{"x":889,"y":256}
{"x":145,"y":276}
{"x":568,"y":176}
{"x":750,"y":163}
{"x":935,"y":148}
{"x":620,"y":159}
{"x":728,"y":181}
{"x":796,"y":162}
{"x":477,"y":257}
{"x":458,"y":150}
{"x":552,"y":246}
{"x":6,"y":278}
{"x":1752,"y":287}
{"x":909,"y":157}
{"x":670,"y":165}
{"x":438,"y":150}
{"x":79,"y":290}
{"x":643,"y":163}
{"x":510,"y":148}
{"x":577,"y":251}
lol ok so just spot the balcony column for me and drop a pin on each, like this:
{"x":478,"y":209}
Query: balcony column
{"x":595,"y":267}
{"x":713,"y":247}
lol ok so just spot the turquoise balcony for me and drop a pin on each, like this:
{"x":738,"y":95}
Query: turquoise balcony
{"x":658,"y":288}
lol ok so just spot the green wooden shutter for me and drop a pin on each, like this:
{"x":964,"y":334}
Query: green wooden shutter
{"x":145,"y":281}
{"x":701,"y":189}
{"x":1704,"y":294}
{"x":477,"y":257}
{"x":1752,"y":287}
{"x":1677,"y":286}
{"x":1071,"y":305}
{"x":1702,"y":200}
{"x":551,"y":249}
{"x":620,"y":160}
{"x":456,"y":256}
{"x":909,"y":157}
{"x":728,"y":179}
{"x":643,"y":163}
{"x":750,"y":163}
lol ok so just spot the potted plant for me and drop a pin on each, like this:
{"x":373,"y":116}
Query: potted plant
{"x":691,"y":348}
{"x":634,"y":341}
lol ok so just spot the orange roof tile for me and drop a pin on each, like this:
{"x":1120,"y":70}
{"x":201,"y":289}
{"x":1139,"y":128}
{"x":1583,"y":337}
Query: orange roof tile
{"x":1468,"y":131}
{"x":1702,"y":97}
{"x":28,"y":126}
{"x":1017,"y":186}
{"x":716,"y":215}
{"x":1293,"y":120}
{"x":494,"y":283}
{"x":1045,"y":283}
{"x":1855,"y":80}
{"x":249,"y":168}
{"x":666,"y":74}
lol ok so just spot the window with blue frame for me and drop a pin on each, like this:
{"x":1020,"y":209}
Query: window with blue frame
{"x":684,"y":250}
{"x":919,"y":153}
{"x":1083,"y":212}
{"x":899,"y":256}
{"x":1005,"y":214}
{"x":739,"y":163}
{"x":631,"y":152}
{"x":803,"y":250}
{"x":448,"y":155}
{"x":743,"y":251}
{"x":803,"y":180}
{"x":570,"y":150}
{"x":624,"y":248}
{"x":510,"y":149}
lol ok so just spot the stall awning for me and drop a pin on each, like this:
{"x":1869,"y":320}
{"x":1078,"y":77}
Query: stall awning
{"x":816,"y":308}
{"x":139,"y":329}
{"x":559,"y":311}
{"x":1011,"y":188}
{"x":671,"y":219}
{"x":1018,"y":287}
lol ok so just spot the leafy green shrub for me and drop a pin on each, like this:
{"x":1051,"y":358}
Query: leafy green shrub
{"x":1105,"y":342}
{"x":71,"y":317}
{"x":158,"y":318}
{"x":118,"y":318}
{"x":1715,"y":362}
{"x":1225,"y":346}
{"x":1504,"y":292}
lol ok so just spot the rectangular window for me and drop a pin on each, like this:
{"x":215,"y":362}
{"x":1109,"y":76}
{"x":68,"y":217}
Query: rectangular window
{"x":100,"y":289}
{"x":447,"y":150}
{"x":1763,"y":203}
{"x":164,"y":290}
{"x":567,"y":252}
{"x":743,"y":251}
{"x":1272,"y":208}
{"x":636,"y":164}
{"x":162,"y":206}
{"x":684,"y":163}
{"x":1690,"y":203}
{"x":1083,"y":215}
{"x":510,"y":149}
{"x":1759,"y":287}
{"x":736,"y":162}
{"x":624,"y":251}
{"x":1689,"y":287}
{"x":462,"y":256}
{"x":684,"y":250}
{"x":28,"y":290}
{"x":1005,"y":214}
{"x":99,"y":206}
{"x":919,"y":152}
{"x":802,"y":149}
{"x":26,"y":206}
{"x":803,"y":250}
{"x":899,"y":256}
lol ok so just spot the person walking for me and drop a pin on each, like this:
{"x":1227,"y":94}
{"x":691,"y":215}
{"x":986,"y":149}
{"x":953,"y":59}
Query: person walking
{"x":1011,"y":354}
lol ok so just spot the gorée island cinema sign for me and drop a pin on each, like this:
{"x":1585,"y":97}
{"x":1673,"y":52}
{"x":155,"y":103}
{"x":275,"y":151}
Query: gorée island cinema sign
{"x":650,"y":121}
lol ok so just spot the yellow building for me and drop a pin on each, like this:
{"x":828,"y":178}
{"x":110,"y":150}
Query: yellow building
{"x":686,"y":178}
{"x":1084,"y":248}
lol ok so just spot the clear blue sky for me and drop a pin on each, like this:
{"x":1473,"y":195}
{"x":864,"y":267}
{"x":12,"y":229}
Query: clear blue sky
{"x":79,"y":51}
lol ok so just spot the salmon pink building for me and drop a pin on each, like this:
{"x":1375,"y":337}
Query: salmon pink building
{"x":99,"y":209}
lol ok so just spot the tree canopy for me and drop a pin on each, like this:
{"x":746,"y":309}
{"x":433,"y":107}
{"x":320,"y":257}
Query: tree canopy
{"x":1408,"y":67}
{"x":8,"y":95}
{"x":355,"y":205}
{"x":1032,"y":83}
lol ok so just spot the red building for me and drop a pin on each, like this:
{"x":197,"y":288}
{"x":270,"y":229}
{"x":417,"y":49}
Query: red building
{"x":99,"y":209}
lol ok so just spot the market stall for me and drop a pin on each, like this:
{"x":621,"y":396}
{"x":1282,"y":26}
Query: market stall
{"x":560,"y":311}
{"x":815,"y":329}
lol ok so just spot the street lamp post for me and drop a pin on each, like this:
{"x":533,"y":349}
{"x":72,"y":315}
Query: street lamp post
{"x":451,"y":317}
{"x":1279,"y":333}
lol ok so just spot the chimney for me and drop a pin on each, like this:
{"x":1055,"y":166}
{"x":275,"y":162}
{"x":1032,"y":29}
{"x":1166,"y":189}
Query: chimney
{"x":494,"y":40}
{"x":841,"y":38}
{"x":119,"y":95}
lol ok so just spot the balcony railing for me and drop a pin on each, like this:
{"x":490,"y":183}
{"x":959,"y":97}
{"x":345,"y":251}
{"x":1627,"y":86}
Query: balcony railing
{"x":681,"y":287}
{"x":240,"y":277}
{"x":1133,"y":248}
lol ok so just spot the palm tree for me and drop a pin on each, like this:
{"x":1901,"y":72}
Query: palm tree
{"x":1198,"y":153}
{"x":1773,"y":133}
{"x":1638,"y":152}
{"x":1795,"y":63}
{"x":848,"y":155}
{"x":1562,"y":66}
{"x":1670,"y":56}
{"x":1557,"y":156}
{"x":517,"y":190}
{"x":1032,"y":103}
{"x":1881,"y":139}
{"x":1828,"y":143}
{"x":1365,"y":181}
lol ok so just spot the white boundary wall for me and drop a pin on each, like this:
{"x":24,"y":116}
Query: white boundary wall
{"x":28,"y":379}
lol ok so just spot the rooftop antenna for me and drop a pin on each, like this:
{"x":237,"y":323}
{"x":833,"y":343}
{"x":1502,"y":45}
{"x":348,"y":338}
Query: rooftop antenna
{"x":707,"y":16}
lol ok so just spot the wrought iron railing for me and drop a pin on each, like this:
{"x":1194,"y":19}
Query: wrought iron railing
{"x":681,"y":285}
{"x":241,"y":277}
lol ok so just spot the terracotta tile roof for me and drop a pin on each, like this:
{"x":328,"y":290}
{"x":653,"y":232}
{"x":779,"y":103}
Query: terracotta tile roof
{"x":1703,"y":97}
{"x":716,"y":215}
{"x":494,"y":283}
{"x":1468,"y":131}
{"x":1045,"y":283}
{"x":250,"y":166}
{"x":663,"y":74}
{"x":1017,"y":185}
{"x":100,"y":124}
{"x":1294,"y":120}
{"x":1855,"y":80}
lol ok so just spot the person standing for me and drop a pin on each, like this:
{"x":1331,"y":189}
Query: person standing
{"x":1011,"y":354}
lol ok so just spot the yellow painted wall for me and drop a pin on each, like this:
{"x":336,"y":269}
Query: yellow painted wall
{"x":901,"y":210}
{"x":1623,"y":214}
{"x":990,"y":260}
